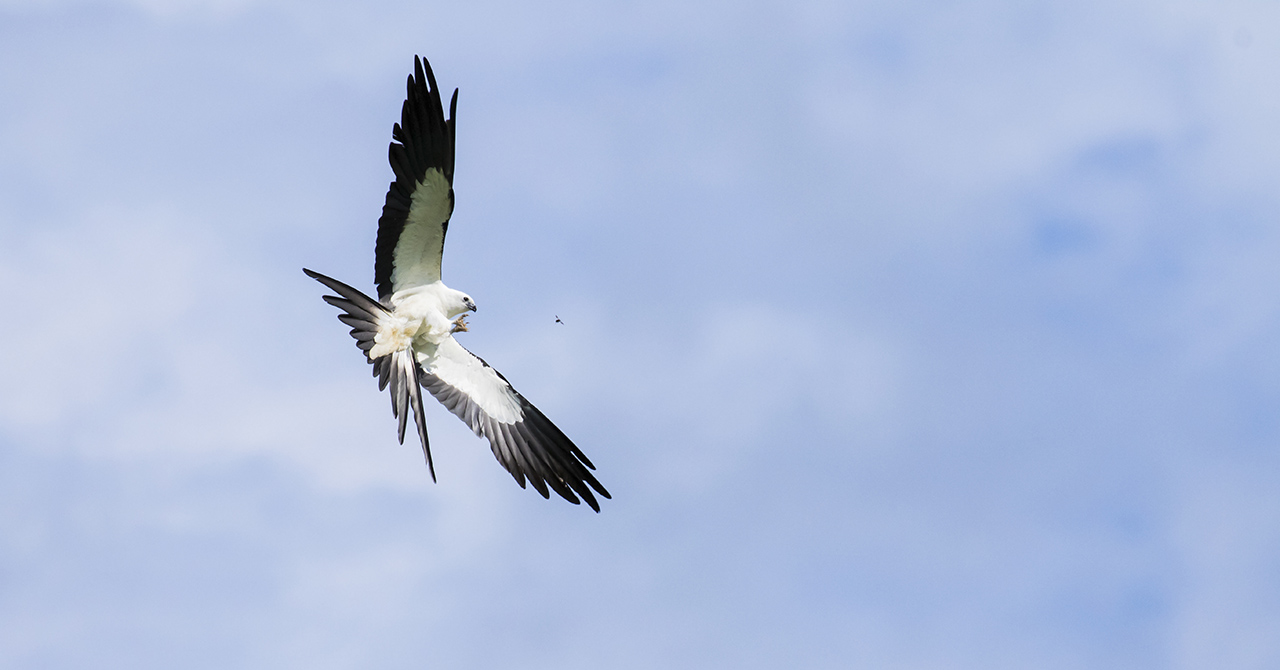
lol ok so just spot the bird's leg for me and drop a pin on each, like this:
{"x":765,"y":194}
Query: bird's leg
{"x":459,"y":324}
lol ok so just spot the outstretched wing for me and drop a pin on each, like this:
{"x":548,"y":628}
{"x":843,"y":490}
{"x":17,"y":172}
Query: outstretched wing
{"x":398,"y":369}
{"x":420,"y":200}
{"x":525,"y":442}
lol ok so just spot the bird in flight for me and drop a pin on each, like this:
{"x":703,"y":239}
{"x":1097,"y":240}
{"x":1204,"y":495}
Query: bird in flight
{"x":559,"y":321}
{"x":407,"y":333}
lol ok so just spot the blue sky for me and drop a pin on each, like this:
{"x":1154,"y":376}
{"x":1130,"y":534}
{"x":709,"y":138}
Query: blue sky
{"x":920,"y":335}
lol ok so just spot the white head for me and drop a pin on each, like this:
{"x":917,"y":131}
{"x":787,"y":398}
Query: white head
{"x":456,"y":302}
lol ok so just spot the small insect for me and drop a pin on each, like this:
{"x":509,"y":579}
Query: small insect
{"x":559,"y":321}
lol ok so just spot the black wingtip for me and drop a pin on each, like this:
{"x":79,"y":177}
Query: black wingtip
{"x":424,"y":75}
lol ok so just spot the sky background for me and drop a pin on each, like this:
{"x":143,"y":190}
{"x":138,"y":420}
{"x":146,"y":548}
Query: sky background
{"x":906,"y":335}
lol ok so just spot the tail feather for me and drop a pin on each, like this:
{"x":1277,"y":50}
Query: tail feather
{"x":369,"y":305}
{"x":382,"y":370}
{"x":420,"y":419}
{"x":398,"y":370}
{"x":359,"y":322}
{"x":400,"y":389}
{"x":352,"y":308}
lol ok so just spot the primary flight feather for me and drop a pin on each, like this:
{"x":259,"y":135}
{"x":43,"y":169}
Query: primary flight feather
{"x":407,"y":333}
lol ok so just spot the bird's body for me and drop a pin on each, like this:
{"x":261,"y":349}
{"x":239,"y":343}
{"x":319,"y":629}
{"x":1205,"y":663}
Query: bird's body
{"x":421,"y":317}
{"x":407,"y":334}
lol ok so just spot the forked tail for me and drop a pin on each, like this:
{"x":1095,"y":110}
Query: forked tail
{"x":398,"y":369}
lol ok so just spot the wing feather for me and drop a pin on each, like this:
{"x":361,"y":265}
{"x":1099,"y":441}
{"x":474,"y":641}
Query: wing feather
{"x":523,"y":440}
{"x":419,"y":202}
{"x":582,"y":478}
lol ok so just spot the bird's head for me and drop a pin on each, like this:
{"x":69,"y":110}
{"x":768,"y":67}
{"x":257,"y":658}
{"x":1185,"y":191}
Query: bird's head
{"x":459,"y":303}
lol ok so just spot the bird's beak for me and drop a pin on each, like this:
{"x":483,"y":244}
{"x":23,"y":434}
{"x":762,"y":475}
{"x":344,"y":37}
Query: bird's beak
{"x":471,"y":305}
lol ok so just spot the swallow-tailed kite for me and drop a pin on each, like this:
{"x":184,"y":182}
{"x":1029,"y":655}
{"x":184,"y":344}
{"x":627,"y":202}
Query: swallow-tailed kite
{"x":407,"y":333}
